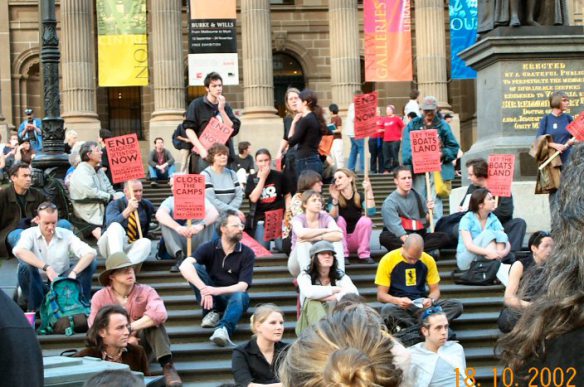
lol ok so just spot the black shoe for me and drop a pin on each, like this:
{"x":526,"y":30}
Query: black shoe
{"x":435,"y":254}
{"x":347,"y":262}
{"x":368,"y":260}
{"x":153,"y":184}
{"x":180,"y":256}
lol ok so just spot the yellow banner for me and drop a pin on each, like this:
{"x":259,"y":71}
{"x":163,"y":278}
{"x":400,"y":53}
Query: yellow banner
{"x":122,"y":43}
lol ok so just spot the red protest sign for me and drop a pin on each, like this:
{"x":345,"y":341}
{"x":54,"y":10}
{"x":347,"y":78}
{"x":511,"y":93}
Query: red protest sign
{"x":273,"y":224}
{"x":501,"y":169}
{"x":125,"y":159}
{"x":365,"y":114}
{"x":258,"y":249}
{"x":216,"y":131}
{"x":576,"y":127}
{"x":189,"y":196}
{"x":426,"y":151}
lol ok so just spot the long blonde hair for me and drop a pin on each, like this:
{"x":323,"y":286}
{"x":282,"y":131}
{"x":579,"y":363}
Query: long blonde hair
{"x":347,"y":349}
{"x":356,"y":196}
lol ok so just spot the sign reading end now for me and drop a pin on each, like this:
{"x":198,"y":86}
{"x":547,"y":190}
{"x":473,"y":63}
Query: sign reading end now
{"x":124,"y":157}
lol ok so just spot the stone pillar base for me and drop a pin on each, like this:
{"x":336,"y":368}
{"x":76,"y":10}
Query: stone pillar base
{"x":86,"y":128}
{"x":163,"y":129}
{"x":261,"y":133}
{"x":524,"y":201}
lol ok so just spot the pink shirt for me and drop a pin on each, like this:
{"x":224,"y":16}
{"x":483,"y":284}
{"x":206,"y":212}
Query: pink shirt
{"x":142,"y":300}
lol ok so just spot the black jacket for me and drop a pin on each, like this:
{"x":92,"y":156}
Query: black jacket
{"x":250,"y":366}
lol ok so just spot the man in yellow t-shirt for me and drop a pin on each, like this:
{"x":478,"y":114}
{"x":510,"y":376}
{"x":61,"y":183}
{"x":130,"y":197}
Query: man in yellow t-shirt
{"x":401,"y":279}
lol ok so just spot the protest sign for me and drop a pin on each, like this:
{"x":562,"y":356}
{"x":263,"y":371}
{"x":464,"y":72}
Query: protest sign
{"x":426,"y":151}
{"x":576,"y":127}
{"x":365,"y":114}
{"x":273,"y":224}
{"x":215,"y":132}
{"x":258,"y":249}
{"x":125,"y":159}
{"x":500,"y":178}
{"x":189,"y":196}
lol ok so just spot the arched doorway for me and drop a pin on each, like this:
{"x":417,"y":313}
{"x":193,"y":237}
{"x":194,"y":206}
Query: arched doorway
{"x":287,"y":73}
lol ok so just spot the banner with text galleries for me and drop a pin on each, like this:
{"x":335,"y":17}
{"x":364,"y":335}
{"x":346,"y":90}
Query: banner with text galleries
{"x":388,"y":40}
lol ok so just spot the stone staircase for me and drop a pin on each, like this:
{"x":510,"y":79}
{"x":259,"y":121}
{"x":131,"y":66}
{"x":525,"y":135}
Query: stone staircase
{"x":201,"y":363}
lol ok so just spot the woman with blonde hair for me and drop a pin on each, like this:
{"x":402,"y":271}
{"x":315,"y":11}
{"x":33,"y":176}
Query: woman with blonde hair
{"x":347,"y":349}
{"x":71,"y":138}
{"x":255,"y":362}
{"x":348,"y":207}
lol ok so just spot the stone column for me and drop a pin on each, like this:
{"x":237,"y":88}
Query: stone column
{"x":431,"y":55}
{"x":344,"y":45}
{"x":6,"y":84}
{"x":79,"y":98}
{"x":168,"y":70}
{"x":259,"y":115}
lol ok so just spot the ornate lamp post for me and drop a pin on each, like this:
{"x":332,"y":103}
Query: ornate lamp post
{"x":52,"y":155}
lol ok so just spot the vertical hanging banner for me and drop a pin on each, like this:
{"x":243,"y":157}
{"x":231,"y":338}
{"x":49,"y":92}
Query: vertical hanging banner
{"x":122,"y":43}
{"x":212,"y":41}
{"x":388,"y":40}
{"x":463,"y":34}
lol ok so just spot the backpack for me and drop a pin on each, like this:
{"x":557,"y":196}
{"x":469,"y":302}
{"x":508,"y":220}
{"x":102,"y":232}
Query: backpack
{"x":179,"y":131}
{"x":63,"y":311}
{"x":482,"y":272}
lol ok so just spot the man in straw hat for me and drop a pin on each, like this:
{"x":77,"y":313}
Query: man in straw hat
{"x":145,"y":307}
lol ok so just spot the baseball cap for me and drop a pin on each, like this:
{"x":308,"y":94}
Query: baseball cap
{"x":429,"y":103}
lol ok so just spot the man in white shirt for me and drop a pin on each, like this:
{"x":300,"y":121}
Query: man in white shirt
{"x":434,"y":362}
{"x":37,"y":264}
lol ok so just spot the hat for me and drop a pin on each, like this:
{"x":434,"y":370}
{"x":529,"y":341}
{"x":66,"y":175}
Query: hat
{"x":429,"y":103}
{"x":114,"y":262}
{"x":27,"y":111}
{"x":322,"y":246}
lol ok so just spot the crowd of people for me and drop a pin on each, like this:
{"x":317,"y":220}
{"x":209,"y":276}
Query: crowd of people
{"x":341,"y":339}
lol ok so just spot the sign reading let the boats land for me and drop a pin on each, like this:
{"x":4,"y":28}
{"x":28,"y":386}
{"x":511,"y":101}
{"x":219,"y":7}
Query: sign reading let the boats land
{"x":125,"y":159}
{"x":500,"y":178}
{"x":426,"y":151}
{"x":189,"y":196}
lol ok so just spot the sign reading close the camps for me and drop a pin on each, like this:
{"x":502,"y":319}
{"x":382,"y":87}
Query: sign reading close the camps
{"x":365,"y":114}
{"x":273,"y":224}
{"x":426,"y":151}
{"x":189,"y":196}
{"x":216,"y":131}
{"x":500,"y":178}
{"x":125,"y":159}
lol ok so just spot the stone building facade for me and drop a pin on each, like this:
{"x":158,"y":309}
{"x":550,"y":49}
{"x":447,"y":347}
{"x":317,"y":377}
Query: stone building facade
{"x":306,"y":43}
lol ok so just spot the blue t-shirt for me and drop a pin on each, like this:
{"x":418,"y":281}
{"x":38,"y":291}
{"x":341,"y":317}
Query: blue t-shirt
{"x":556,"y":127}
{"x":470,"y":222}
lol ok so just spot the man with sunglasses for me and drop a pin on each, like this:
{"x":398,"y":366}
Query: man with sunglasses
{"x":401,"y":279}
{"x":435,"y":360}
{"x":44,"y":253}
{"x":220,"y":273}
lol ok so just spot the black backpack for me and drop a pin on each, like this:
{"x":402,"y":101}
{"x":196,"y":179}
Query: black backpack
{"x":179,"y":131}
{"x":482,"y":272}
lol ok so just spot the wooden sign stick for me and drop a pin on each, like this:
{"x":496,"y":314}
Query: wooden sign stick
{"x":542,"y":166}
{"x":365,"y":167}
{"x":429,"y":197}
{"x":189,"y":240}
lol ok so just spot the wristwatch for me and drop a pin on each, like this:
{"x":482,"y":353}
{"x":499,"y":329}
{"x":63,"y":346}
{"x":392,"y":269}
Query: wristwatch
{"x":45,"y":267}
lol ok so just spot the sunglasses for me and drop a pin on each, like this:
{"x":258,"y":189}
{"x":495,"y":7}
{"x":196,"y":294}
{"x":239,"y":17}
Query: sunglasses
{"x":430,"y":311}
{"x":44,"y":206}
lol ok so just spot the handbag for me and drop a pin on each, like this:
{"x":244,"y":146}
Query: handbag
{"x":482,"y":272}
{"x":443,"y":188}
{"x":326,"y":143}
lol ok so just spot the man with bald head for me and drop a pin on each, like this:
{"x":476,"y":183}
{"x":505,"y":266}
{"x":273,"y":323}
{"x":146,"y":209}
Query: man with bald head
{"x":401,"y":279}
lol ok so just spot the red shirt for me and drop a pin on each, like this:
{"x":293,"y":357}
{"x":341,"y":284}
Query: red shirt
{"x":393,"y":128}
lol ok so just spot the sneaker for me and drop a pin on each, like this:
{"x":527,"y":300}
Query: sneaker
{"x":179,"y":258}
{"x":368,"y":260}
{"x":220,"y":337}
{"x":210,"y":320}
{"x":171,"y":377}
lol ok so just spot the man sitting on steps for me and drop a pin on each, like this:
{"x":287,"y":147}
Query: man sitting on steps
{"x":401,"y":279}
{"x":220,"y":273}
{"x":147,"y":313}
{"x":175,"y":233}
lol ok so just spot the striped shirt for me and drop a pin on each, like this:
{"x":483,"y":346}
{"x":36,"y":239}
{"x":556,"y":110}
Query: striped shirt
{"x":223,"y":190}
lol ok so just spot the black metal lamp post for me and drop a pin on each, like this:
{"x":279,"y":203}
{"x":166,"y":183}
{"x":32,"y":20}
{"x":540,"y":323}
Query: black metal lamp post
{"x":52,"y":156}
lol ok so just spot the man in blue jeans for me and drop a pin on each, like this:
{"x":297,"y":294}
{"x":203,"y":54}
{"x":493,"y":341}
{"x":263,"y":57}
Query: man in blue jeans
{"x":357,"y":144}
{"x":220,"y":272}
{"x":44,"y":253}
